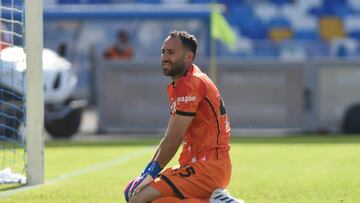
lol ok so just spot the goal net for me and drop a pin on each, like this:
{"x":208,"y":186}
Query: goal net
{"x":16,"y":101}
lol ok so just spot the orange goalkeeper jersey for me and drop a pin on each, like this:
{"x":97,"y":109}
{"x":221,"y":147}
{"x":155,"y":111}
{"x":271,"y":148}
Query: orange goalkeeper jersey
{"x":207,"y":137}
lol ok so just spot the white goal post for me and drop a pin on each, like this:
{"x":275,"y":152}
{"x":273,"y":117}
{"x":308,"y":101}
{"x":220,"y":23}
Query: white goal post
{"x":34,"y":91}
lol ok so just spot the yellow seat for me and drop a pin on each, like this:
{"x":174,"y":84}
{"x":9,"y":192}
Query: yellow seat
{"x":331,"y":27}
{"x":280,"y":34}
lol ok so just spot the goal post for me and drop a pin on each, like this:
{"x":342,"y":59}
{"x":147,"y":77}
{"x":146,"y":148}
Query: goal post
{"x":34,"y":92}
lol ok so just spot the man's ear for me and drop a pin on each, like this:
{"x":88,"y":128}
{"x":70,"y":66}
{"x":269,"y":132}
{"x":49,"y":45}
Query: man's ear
{"x":189,"y":57}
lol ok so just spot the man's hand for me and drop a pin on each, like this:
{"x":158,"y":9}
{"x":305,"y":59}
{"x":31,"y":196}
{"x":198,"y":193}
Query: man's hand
{"x":146,"y":177}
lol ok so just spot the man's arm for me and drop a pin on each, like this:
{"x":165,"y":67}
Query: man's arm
{"x":168,"y":147}
{"x":173,"y":138}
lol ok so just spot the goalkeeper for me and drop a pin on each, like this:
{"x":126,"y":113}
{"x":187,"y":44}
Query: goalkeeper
{"x":198,"y":118}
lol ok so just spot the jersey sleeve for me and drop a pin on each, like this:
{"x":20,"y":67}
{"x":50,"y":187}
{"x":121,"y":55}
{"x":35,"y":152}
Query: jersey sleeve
{"x":188,"y":95}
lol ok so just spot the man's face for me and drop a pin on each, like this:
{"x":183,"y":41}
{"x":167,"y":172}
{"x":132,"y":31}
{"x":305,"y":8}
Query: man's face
{"x":173,"y":57}
{"x":121,"y":43}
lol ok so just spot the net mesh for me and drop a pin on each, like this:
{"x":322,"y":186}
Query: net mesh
{"x":12,"y":88}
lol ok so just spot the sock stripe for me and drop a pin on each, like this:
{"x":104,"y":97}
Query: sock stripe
{"x":219,"y":196}
{"x":223,"y":199}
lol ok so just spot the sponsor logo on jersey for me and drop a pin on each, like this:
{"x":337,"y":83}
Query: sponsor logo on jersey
{"x":185,"y":99}
{"x":173,"y":107}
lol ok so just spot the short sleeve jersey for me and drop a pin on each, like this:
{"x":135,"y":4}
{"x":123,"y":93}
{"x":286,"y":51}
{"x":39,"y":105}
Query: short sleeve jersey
{"x":207,"y":137}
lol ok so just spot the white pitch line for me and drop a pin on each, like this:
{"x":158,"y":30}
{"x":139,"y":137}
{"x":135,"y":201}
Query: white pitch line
{"x":82,"y":171}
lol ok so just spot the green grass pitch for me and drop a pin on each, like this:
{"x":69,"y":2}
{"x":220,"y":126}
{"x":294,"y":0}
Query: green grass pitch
{"x":280,"y":169}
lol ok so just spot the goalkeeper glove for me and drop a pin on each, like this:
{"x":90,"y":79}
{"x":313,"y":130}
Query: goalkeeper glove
{"x":147,"y":176}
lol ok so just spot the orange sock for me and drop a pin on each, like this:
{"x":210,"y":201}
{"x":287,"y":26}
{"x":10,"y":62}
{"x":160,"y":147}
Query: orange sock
{"x":177,"y":200}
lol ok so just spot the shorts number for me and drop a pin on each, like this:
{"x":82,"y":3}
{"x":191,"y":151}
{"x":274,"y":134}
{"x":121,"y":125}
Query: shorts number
{"x":189,"y":171}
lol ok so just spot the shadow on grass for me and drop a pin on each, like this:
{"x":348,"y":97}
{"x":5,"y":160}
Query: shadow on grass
{"x":6,"y":187}
{"x":153,"y":141}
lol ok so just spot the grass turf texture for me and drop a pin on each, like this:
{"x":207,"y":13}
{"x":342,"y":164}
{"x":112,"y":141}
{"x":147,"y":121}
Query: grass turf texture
{"x":280,"y":169}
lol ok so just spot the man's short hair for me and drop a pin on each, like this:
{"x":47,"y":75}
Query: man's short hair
{"x":187,"y":40}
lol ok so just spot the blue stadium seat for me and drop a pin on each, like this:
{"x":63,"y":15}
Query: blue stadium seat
{"x":240,"y":10}
{"x":69,"y":1}
{"x":291,"y":50}
{"x":344,"y":10}
{"x":201,"y":1}
{"x":345,"y":47}
{"x":8,"y":2}
{"x":279,"y":22}
{"x":352,"y":23}
{"x":321,"y":11}
{"x":244,"y":49}
{"x":231,"y":2}
{"x":253,"y":28}
{"x":149,"y":1}
{"x":333,"y":7}
{"x":306,"y":5}
{"x":236,"y":15}
{"x":333,"y":3}
{"x":306,"y":35}
{"x":281,"y":2}
{"x":317,"y":49}
{"x":355,"y":34}
{"x":98,"y":1}
{"x":266,"y":50}
{"x":354,"y":4}
{"x":304,"y":22}
{"x":266,"y":11}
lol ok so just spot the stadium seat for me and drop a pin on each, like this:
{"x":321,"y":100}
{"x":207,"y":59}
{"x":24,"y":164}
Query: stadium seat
{"x":231,"y":2}
{"x":318,"y":12}
{"x":149,"y":1}
{"x":240,"y":11}
{"x":266,"y":11}
{"x":291,"y":11}
{"x":344,"y":47}
{"x":98,"y":1}
{"x":333,"y":7}
{"x":355,"y":34}
{"x":317,"y":49}
{"x":201,"y":1}
{"x":280,"y":34}
{"x":344,"y":10}
{"x":239,"y":16}
{"x":331,"y":27}
{"x":305,"y":5}
{"x":333,"y":3}
{"x":352,"y":23}
{"x":304,"y":22}
{"x":306,"y":35}
{"x":264,"y":50}
{"x":291,"y":50}
{"x":174,"y":1}
{"x":244,"y":48}
{"x":9,"y":2}
{"x":279,"y":22}
{"x":355,"y":4}
{"x":282,"y":2}
{"x":69,"y":1}
{"x":253,"y":28}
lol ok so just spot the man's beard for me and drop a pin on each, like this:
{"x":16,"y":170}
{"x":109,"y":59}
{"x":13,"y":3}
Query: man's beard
{"x":177,"y":68}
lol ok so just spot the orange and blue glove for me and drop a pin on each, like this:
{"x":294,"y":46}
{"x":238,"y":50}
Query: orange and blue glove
{"x":147,"y":176}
